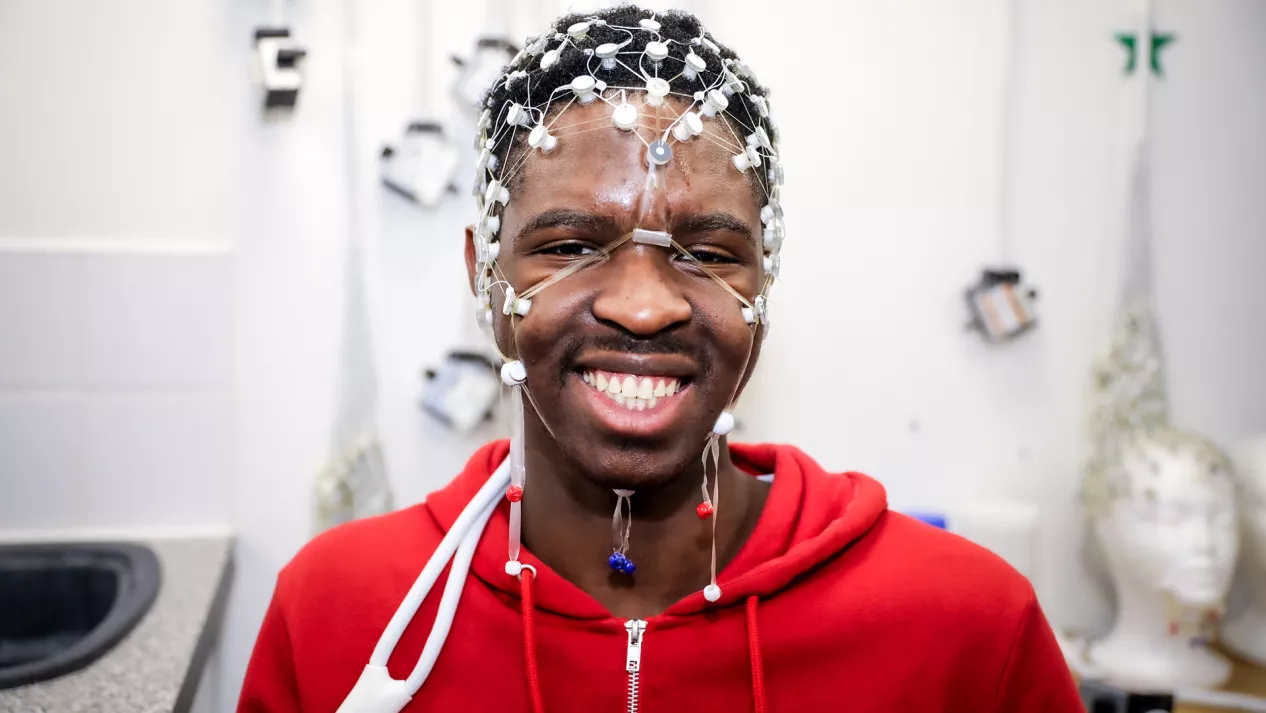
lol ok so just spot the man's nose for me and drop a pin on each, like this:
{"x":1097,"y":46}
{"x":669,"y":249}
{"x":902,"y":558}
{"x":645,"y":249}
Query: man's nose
{"x":639,"y":296}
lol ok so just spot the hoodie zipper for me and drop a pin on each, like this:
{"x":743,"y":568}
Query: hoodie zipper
{"x":633,"y":659}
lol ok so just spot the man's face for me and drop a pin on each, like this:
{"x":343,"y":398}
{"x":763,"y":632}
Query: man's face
{"x":644,"y":312}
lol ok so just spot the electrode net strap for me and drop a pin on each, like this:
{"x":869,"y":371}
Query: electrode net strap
{"x":712,"y":275}
{"x":620,"y":523}
{"x":518,"y":472}
{"x":605,"y":252}
{"x":712,"y":451}
{"x":575,"y":267}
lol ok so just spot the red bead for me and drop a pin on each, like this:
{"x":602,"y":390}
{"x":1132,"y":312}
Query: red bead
{"x":514,"y":493}
{"x":704,"y":510}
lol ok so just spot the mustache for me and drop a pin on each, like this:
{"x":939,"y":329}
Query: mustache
{"x":660,"y":344}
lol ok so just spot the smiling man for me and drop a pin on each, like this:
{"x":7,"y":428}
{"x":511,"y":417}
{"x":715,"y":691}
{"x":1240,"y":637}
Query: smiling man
{"x":617,"y":553}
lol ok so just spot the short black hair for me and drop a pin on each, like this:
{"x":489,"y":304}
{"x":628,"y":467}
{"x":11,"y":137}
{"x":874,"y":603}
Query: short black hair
{"x":681,"y":31}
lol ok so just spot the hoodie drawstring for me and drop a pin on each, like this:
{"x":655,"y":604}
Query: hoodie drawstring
{"x":753,"y":653}
{"x":529,"y":639}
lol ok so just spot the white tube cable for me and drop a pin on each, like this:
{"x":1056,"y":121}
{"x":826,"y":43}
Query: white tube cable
{"x":448,"y":602}
{"x":489,"y":493}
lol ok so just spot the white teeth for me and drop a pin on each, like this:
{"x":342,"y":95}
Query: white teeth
{"x":645,"y":389}
{"x":636,"y":393}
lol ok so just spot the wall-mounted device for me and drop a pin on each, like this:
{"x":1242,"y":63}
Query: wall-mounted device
{"x":422,"y":167}
{"x":278,"y":66}
{"x":1002,"y":306}
{"x":477,"y":73}
{"x":462,"y":391}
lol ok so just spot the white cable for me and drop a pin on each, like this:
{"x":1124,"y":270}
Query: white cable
{"x":448,"y":603}
{"x":489,"y":493}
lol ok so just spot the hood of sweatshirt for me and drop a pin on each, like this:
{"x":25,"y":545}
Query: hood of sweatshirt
{"x":809,"y":517}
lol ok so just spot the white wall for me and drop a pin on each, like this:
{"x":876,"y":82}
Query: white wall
{"x":116,"y":266}
{"x":893,"y":166}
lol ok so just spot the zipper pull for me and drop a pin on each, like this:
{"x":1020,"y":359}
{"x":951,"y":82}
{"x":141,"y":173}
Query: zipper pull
{"x":633,"y":661}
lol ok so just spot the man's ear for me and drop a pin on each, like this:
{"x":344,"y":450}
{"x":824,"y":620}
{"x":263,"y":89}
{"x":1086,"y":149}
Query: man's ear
{"x":471,"y":266}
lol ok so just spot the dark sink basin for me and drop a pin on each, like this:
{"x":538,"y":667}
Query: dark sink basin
{"x":64,"y":605}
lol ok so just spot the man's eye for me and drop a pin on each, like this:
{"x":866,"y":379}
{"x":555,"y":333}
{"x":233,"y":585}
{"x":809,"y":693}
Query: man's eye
{"x":570,"y":249}
{"x":712,"y":257}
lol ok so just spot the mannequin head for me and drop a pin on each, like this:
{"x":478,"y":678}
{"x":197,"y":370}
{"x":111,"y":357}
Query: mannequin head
{"x":1168,"y":526}
{"x":1246,"y":634}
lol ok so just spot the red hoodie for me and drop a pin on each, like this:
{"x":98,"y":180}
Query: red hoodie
{"x":833,"y":603}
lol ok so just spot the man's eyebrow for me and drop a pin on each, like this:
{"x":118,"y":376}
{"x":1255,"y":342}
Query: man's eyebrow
{"x":711,"y":223}
{"x":581,"y":221}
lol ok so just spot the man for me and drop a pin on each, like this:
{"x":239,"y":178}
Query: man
{"x":628,"y":234}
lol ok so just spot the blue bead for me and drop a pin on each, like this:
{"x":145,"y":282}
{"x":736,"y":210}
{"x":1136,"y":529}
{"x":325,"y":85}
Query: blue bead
{"x":616,"y":561}
{"x":629,"y":567}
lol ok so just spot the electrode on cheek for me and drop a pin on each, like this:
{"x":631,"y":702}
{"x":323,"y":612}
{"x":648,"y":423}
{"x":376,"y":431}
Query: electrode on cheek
{"x":756,"y":313}
{"x":514,"y":304}
{"x":513,"y":373}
